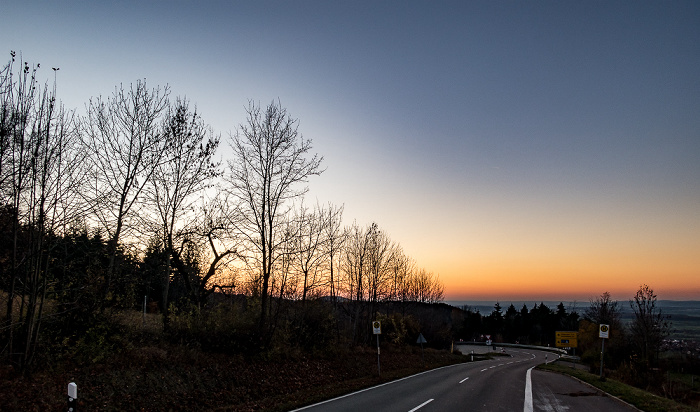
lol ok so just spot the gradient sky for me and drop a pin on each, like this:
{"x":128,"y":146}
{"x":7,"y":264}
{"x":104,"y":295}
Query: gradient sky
{"x":521,"y":150}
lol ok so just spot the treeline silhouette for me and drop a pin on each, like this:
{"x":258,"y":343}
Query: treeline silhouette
{"x":534,"y":326}
{"x":126,"y":206}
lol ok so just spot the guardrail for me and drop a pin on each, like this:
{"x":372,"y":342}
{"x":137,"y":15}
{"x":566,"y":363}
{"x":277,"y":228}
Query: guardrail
{"x":558,"y":351}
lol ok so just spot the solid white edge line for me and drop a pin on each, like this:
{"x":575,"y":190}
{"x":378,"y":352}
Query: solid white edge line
{"x":527,"y":406}
{"x":373,"y":387}
{"x":421,"y":405}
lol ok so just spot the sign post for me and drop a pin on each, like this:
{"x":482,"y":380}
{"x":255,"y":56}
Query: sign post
{"x":566,"y":339}
{"x":603,"y":333}
{"x":421,"y":340}
{"x":377,"y":330}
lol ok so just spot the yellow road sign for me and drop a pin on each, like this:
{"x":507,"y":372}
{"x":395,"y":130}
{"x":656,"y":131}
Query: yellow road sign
{"x":566,"y":339}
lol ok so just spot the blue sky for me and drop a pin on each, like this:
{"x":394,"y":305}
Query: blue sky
{"x":541,"y":143}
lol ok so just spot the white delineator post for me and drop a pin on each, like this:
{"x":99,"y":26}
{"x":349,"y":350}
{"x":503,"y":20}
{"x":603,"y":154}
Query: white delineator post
{"x":72,"y":397}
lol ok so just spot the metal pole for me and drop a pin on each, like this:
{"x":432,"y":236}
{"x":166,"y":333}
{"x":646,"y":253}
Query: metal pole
{"x":379,"y":367}
{"x":421,"y":354}
{"x":602,"y":352}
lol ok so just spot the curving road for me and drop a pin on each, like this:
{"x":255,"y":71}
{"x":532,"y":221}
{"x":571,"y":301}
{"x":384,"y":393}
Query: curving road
{"x":506,"y":383}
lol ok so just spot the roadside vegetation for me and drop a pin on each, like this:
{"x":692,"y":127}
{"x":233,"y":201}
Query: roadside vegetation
{"x":641,"y":399}
{"x":135,"y":261}
{"x":141,"y":369}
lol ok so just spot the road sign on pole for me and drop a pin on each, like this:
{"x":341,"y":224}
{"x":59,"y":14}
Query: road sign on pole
{"x":566,"y":339}
{"x":603,"y":333}
{"x":421,"y":340}
{"x":377,"y":329}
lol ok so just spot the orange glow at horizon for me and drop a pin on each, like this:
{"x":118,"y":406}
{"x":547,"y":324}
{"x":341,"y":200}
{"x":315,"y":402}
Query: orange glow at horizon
{"x":568,"y":251}
{"x":575,"y":279}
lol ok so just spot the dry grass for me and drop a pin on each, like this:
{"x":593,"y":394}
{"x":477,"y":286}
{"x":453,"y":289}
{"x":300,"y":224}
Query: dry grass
{"x":163,"y":377}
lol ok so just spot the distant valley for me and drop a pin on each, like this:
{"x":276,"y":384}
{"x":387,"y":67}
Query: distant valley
{"x":684,"y":315}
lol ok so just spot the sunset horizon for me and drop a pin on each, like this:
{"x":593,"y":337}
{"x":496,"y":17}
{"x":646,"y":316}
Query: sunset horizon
{"x":331,"y":206}
{"x":539,"y":150}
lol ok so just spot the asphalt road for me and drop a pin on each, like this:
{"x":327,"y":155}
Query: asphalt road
{"x":506,"y":383}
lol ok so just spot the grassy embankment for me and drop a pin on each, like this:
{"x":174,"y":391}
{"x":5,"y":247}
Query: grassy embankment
{"x":641,"y":399}
{"x":145,"y":371}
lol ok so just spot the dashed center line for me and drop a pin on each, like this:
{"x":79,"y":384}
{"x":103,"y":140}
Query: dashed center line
{"x":421,"y":405}
{"x":464,"y":379}
{"x":484,"y":369}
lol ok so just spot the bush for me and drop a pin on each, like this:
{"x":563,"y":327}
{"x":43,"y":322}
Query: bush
{"x":222,"y":329}
{"x":399,"y":329}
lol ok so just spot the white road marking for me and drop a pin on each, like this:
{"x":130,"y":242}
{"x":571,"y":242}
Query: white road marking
{"x":484,"y":369}
{"x":464,"y":379}
{"x":421,"y":405}
{"x":527,"y":407}
{"x":373,"y":387}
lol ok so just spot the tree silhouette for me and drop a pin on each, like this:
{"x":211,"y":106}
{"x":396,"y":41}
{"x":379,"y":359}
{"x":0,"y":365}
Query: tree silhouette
{"x":270,"y":170}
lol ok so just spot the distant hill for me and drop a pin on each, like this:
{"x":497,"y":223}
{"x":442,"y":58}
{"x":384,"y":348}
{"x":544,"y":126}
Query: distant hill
{"x":486,"y":307}
{"x":683,"y":314}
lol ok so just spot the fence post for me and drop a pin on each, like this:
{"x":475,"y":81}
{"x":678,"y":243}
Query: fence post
{"x":143,"y":319}
{"x":72,"y":397}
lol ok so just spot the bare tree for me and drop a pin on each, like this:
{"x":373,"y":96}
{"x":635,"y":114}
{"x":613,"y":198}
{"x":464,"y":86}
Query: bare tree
{"x":10,"y":97}
{"x":185,"y":170}
{"x":402,"y":268}
{"x":604,"y":310}
{"x":40,"y":162}
{"x":426,"y":287}
{"x":308,"y":246}
{"x":270,"y":169}
{"x":355,"y":262}
{"x":649,"y":326}
{"x":19,"y":96}
{"x":380,"y":248}
{"x":335,"y":238}
{"x":213,"y":234}
{"x":53,"y":163}
{"x":123,"y":138}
